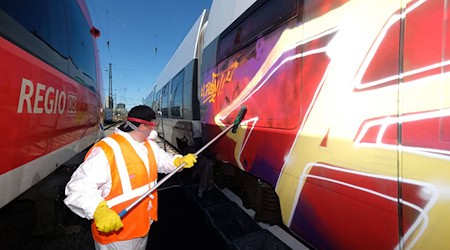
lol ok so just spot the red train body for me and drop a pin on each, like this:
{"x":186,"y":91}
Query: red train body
{"x":51,"y":98}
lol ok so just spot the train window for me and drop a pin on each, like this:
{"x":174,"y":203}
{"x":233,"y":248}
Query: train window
{"x":157,"y":101}
{"x":81,"y":48}
{"x":165,"y":100}
{"x":274,"y":91}
{"x":150,"y":98}
{"x":263,"y":19}
{"x":46,"y":37}
{"x":176,"y":100}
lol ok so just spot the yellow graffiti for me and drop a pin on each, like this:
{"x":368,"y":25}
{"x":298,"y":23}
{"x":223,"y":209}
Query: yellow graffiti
{"x":213,"y":88}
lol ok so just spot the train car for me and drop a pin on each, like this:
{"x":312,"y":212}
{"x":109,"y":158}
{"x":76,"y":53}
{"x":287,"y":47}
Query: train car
{"x":51,"y":98}
{"x":175,"y":91}
{"x":109,"y":115}
{"x":348,"y":116}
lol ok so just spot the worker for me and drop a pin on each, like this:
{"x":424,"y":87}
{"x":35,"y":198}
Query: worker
{"x":117,"y":171}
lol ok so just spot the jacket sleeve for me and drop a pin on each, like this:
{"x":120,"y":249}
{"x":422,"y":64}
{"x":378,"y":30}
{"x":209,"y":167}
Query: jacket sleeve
{"x":89,"y":184}
{"x":164,"y":159}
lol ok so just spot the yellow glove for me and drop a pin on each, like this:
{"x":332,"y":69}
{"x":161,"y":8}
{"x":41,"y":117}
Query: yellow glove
{"x":106,"y":219}
{"x":189,"y":159}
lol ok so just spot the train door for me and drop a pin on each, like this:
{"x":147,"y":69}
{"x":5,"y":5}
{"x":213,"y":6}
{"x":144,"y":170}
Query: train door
{"x":424,"y":99}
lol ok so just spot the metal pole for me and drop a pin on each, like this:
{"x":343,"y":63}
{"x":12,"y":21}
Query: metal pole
{"x":110,"y":101}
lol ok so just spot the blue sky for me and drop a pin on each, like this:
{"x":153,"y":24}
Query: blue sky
{"x":138,"y":38}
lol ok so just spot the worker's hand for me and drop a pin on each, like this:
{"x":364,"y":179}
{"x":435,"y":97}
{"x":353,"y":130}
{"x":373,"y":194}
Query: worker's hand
{"x":189,"y":159}
{"x":106,"y":219}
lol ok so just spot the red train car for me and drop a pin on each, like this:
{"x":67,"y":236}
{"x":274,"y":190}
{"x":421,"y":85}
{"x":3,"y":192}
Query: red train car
{"x":51,"y":98}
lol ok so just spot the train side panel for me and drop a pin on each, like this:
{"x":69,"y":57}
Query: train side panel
{"x":348,"y":116}
{"x":51,"y":104}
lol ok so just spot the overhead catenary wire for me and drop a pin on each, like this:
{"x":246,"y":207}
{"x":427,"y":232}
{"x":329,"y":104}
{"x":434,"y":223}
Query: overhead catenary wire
{"x":158,"y":43}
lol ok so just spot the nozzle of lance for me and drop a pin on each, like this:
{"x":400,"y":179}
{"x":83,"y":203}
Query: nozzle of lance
{"x":238,"y":119}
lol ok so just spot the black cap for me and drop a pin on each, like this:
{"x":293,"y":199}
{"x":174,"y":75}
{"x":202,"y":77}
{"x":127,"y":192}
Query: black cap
{"x":142,"y":112}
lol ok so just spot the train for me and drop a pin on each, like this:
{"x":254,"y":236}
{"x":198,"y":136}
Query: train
{"x":346,"y":140}
{"x":52,"y":89}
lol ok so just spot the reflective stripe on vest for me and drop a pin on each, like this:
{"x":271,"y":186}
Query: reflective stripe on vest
{"x":130,"y":180}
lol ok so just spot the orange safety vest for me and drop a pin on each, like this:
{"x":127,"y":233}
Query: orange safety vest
{"x":130,"y":180}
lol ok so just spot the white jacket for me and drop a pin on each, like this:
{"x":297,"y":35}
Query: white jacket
{"x":91,"y":181}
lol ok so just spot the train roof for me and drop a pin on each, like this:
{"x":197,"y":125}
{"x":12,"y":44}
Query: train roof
{"x":184,"y":54}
